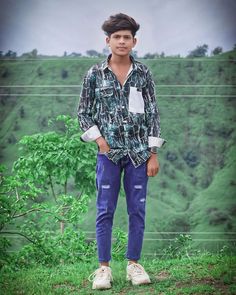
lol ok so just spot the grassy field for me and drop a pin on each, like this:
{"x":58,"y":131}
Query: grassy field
{"x":214,"y":275}
{"x":195,"y":189}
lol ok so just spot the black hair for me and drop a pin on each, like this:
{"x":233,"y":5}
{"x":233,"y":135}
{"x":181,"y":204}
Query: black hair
{"x":119,"y":22}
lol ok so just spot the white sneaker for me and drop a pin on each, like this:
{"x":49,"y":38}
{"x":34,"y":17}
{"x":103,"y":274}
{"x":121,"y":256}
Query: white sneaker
{"x":137,"y":274}
{"x":101,"y":278}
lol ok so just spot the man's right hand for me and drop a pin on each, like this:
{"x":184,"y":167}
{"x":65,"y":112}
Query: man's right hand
{"x":103,"y":145}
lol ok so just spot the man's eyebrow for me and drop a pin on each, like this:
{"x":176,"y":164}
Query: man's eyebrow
{"x":118,"y":35}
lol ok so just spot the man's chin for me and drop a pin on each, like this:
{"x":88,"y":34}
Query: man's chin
{"x":123,"y":53}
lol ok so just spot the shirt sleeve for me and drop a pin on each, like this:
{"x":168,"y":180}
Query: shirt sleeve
{"x":85,"y":109}
{"x":152,"y":114}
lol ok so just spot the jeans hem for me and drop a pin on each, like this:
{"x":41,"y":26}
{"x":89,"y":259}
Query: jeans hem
{"x":133,"y":258}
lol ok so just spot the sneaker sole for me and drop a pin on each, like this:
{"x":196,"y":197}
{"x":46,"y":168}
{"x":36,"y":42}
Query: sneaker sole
{"x":128,"y":279}
{"x":101,"y":287}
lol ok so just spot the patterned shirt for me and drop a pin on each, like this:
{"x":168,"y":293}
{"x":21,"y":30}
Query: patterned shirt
{"x":126,"y":116}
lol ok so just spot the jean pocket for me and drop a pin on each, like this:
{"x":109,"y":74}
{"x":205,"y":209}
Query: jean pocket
{"x":102,"y":153}
{"x":136,"y":102}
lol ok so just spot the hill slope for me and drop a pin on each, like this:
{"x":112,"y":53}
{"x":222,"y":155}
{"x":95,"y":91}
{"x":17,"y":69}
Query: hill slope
{"x":195,"y":188}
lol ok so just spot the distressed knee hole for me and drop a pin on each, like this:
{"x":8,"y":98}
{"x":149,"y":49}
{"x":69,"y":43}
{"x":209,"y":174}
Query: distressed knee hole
{"x":106,"y":186}
{"x":143,"y":200}
{"x":138,"y":186}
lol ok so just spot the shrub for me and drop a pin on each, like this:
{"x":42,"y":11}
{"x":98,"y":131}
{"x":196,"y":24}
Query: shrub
{"x":38,"y":194}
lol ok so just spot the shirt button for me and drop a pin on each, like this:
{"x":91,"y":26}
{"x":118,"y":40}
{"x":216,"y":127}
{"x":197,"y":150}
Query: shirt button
{"x":123,"y":107}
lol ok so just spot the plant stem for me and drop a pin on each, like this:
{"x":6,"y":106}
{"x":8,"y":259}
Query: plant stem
{"x":17,"y":233}
{"x":52,"y":188}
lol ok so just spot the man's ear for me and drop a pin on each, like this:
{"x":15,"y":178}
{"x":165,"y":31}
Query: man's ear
{"x":135,"y":41}
{"x":107,"y":40}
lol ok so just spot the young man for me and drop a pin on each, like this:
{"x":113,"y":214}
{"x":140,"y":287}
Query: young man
{"x":118,"y":110}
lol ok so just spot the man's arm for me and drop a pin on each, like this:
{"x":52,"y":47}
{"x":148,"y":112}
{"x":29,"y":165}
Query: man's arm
{"x":152,"y":115}
{"x":154,"y":130}
{"x":85,"y":109}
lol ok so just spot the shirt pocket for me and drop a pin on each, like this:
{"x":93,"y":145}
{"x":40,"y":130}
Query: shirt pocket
{"x":136,"y":102}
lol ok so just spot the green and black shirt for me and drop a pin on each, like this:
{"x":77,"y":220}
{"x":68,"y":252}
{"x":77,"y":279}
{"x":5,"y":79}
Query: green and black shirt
{"x":127,"y":117}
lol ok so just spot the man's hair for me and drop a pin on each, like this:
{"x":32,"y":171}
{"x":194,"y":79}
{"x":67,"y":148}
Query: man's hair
{"x":119,"y":22}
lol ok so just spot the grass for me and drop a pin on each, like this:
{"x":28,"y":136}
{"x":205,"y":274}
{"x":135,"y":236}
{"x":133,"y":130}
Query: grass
{"x":181,"y":196}
{"x":213,"y":274}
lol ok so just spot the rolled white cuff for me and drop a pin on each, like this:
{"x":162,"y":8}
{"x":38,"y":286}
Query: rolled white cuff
{"x":91,"y":134}
{"x":155,"y":141}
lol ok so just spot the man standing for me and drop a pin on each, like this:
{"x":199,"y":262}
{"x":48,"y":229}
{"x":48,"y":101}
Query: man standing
{"x":118,"y":110}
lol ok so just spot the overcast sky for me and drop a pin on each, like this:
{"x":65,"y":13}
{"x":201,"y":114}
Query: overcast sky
{"x":172,"y":26}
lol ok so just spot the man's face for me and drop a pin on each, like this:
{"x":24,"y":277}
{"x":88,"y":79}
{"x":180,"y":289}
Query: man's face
{"x":121,"y":42}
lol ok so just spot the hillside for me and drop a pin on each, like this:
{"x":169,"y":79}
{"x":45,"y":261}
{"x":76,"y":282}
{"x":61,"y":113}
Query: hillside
{"x":195,"y":189}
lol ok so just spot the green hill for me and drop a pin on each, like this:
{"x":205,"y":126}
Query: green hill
{"x":195,"y":189}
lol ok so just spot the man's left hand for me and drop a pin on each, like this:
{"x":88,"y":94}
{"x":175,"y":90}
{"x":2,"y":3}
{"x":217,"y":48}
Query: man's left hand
{"x":152,"y":165}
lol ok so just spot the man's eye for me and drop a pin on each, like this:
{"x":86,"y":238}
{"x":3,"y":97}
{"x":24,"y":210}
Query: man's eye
{"x":127,"y":37}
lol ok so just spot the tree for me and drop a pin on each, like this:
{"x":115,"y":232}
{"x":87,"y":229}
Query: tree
{"x":151,"y":55}
{"x":217,"y":50}
{"x":52,"y":183}
{"x":74,"y":54}
{"x":11,"y":54}
{"x":64,"y":74}
{"x":93,"y":53}
{"x":200,"y":51}
{"x":34,"y":53}
{"x":162,"y":54}
{"x":22,"y":112}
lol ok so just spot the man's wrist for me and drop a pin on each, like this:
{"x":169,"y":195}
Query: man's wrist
{"x":153,"y":150}
{"x":153,"y":153}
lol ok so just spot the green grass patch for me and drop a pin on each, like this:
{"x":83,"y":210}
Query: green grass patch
{"x":212,"y":274}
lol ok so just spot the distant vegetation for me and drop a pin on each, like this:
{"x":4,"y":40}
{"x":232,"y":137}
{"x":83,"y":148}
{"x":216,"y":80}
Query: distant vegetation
{"x":199,"y":51}
{"x":195,"y":189}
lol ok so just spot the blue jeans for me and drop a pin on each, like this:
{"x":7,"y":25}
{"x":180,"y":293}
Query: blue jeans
{"x":108,"y":179}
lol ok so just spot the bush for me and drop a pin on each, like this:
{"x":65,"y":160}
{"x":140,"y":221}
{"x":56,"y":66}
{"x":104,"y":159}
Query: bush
{"x":38,"y":193}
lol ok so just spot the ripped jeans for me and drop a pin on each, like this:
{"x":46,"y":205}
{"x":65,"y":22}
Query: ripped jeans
{"x":108,"y":179}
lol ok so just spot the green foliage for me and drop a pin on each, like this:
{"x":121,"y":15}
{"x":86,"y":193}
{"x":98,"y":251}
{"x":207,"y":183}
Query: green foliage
{"x":41,"y":194}
{"x":54,"y":157}
{"x":120,"y":244}
{"x":4,"y":256}
{"x":180,"y":248}
{"x":55,"y":248}
{"x":200,"y":51}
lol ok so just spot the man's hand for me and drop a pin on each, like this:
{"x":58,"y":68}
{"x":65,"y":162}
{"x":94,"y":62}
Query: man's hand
{"x":102,"y":144}
{"x":152,"y":165}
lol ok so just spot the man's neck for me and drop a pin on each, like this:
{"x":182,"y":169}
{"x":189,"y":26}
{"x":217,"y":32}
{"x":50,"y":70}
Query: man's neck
{"x":120,"y":60}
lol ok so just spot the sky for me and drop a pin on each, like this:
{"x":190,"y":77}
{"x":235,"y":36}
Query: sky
{"x":169,"y":26}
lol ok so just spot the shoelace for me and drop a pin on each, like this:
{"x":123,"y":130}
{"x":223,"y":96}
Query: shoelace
{"x":101,"y":272}
{"x":137,"y":269}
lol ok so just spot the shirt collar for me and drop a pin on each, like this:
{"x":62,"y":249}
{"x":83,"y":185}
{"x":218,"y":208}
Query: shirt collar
{"x":105,"y":63}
